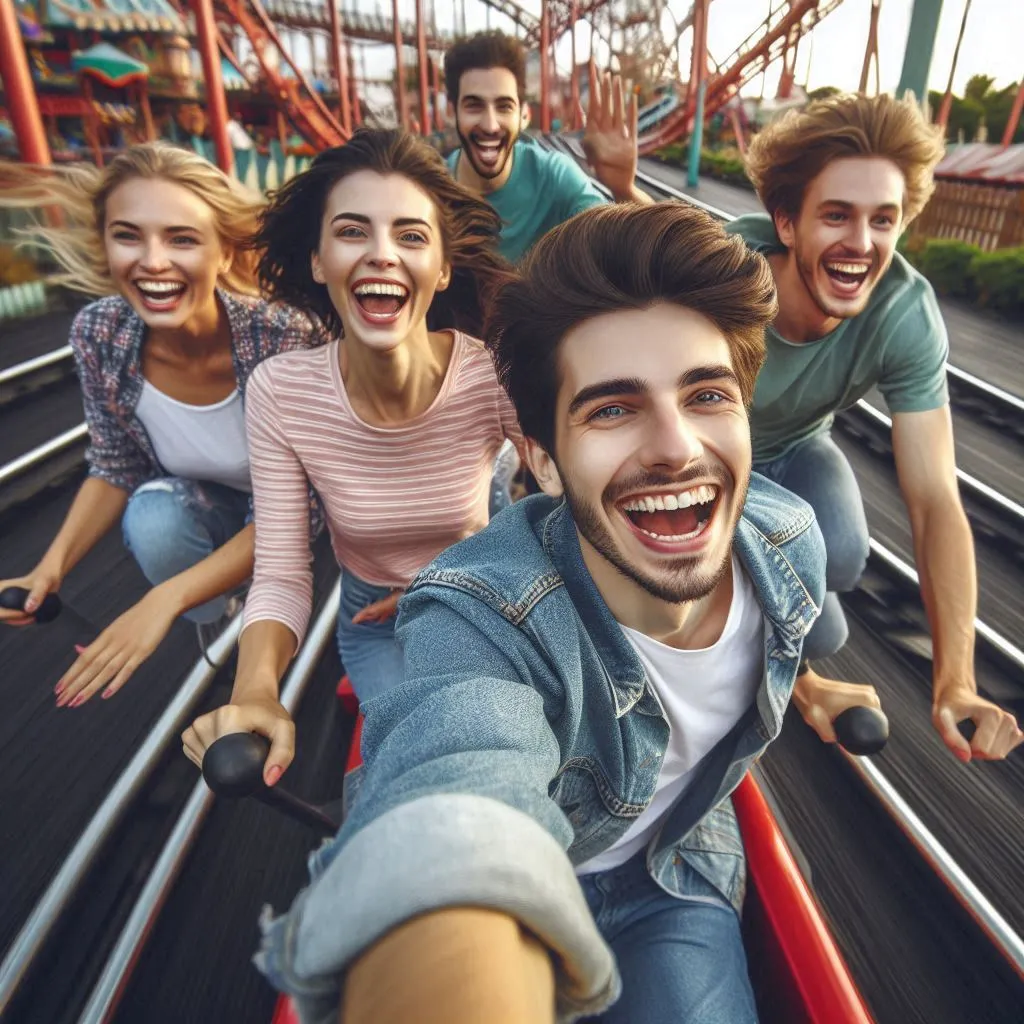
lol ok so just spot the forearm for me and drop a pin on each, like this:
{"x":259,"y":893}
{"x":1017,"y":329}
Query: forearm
{"x":96,"y":508}
{"x":944,"y":551}
{"x":264,"y":651}
{"x":226,"y":568}
{"x":454,"y":966}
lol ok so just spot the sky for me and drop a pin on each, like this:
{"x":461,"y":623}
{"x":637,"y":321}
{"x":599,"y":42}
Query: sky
{"x":993,"y":43}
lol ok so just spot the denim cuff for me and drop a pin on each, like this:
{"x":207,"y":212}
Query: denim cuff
{"x":439,"y":851}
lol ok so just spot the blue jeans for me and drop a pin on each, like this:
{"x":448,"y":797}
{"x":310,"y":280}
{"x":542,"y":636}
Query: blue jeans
{"x":818,"y":472}
{"x":505,"y":465}
{"x":681,"y":961}
{"x":171,"y":524}
{"x":369,"y":652}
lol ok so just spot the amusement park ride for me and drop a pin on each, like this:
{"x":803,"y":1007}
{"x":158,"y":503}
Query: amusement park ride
{"x":100,"y":74}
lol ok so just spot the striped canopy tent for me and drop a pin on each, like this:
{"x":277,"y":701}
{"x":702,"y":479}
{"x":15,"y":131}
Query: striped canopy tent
{"x":109,"y":65}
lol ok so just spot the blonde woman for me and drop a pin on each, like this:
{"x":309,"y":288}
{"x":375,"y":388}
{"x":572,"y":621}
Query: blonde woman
{"x":163,"y":358}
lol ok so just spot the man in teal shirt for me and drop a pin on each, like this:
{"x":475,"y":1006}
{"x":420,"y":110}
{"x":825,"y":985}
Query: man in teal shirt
{"x":532,"y":189}
{"x":841,"y":180}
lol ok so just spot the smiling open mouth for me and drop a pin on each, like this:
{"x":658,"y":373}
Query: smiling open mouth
{"x":380,"y":301}
{"x":672,"y":516}
{"x":849,"y":275}
{"x":489,"y":151}
{"x":160,"y":294}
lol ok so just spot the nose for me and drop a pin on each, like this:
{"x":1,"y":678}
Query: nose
{"x":859,"y":236}
{"x":671,"y":442}
{"x":489,"y":121}
{"x":154,"y":257}
{"x":382,"y":251}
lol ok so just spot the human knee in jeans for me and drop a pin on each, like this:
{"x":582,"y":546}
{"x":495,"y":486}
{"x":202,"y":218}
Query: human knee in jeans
{"x":817,"y":471}
{"x":172,"y":524}
{"x":505,"y":465}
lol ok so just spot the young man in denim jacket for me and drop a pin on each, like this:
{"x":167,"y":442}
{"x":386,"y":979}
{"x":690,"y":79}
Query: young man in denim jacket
{"x":543,"y":828}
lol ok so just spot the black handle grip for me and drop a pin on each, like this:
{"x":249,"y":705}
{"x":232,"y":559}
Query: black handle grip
{"x":861,"y":730}
{"x":13,"y":599}
{"x":233,"y":765}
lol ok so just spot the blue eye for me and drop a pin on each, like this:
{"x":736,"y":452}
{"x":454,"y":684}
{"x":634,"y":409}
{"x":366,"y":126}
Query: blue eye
{"x":413,"y":236}
{"x":608,"y":412}
{"x":349,"y":232}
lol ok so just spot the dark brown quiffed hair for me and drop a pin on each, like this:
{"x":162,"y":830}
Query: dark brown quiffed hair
{"x":788,"y":155}
{"x":290,"y":229}
{"x":624,"y":256}
{"x":480,"y":52}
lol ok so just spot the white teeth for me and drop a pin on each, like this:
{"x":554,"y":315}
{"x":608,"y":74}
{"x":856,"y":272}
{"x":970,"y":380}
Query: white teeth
{"x":161,"y":288}
{"x":848,"y":268}
{"x":695,"y":496}
{"x":380,"y":288}
{"x":678,"y":536}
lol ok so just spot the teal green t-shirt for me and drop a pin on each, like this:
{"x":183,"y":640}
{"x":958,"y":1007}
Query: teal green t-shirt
{"x":898,"y":343}
{"x":544,"y":189}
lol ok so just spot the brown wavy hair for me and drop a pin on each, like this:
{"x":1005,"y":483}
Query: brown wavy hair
{"x":787,"y":155}
{"x":81,"y":193}
{"x":625,"y":256}
{"x":290,"y":229}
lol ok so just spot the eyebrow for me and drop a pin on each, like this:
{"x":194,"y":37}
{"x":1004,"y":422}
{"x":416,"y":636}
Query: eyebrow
{"x":398,"y":222}
{"x":844,"y":205}
{"x":497,"y":99}
{"x":638,"y":386}
{"x":135,"y":227}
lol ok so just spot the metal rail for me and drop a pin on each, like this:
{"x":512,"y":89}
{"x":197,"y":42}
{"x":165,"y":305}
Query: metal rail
{"x":985,"y":915}
{"x":123,"y":957}
{"x":56,"y":445}
{"x":48,"y":909}
{"x":30,"y":366}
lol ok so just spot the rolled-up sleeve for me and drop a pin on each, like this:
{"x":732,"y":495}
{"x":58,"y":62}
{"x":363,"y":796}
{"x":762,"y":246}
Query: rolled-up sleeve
{"x":282,"y":583}
{"x":453,"y":810}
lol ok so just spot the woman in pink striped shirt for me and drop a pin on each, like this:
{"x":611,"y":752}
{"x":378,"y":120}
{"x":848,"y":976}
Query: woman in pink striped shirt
{"x":396,"y":425}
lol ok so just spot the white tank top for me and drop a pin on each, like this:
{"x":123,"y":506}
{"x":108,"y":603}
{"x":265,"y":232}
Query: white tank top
{"x":198,"y":442}
{"x":703,"y":694}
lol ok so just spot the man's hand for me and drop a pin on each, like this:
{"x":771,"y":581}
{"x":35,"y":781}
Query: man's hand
{"x":610,"y":137}
{"x":996,"y":731}
{"x":821,"y":701}
{"x":119,"y":650}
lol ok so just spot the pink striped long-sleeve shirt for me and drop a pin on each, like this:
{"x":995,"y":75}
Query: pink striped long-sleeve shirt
{"x":395,"y":497}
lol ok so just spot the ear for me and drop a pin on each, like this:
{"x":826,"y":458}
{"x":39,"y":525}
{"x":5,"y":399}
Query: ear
{"x":318,"y":270}
{"x":524,"y":117}
{"x":445,"y":279}
{"x":543,"y":467}
{"x":785,"y":228}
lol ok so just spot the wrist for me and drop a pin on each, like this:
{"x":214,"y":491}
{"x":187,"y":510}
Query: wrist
{"x":945,"y":688}
{"x":171,"y":595}
{"x":255,"y":687}
{"x":53,"y":564}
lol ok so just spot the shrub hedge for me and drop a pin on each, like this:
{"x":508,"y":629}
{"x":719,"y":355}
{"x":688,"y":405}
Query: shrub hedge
{"x":993,"y":280}
{"x":724,"y":165}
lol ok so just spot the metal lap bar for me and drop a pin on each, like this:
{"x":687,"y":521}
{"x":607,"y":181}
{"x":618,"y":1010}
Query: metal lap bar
{"x":103,"y":999}
{"x":13,"y":373}
{"x":59,"y":893}
{"x":23,"y":463}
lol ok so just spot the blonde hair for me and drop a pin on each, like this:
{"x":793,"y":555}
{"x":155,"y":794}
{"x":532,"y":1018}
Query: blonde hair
{"x":788,"y":155}
{"x":81,"y":192}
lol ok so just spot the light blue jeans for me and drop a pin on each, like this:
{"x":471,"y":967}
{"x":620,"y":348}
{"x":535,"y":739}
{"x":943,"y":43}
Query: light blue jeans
{"x":369,"y":652}
{"x":681,"y":961}
{"x":505,"y":465}
{"x":171,"y":524}
{"x":818,"y":472}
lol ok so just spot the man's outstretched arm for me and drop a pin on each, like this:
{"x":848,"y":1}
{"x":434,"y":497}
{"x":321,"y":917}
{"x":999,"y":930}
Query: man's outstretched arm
{"x":944,"y":553}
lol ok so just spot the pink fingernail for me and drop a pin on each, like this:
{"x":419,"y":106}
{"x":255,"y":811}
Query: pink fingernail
{"x":59,"y":689}
{"x":273,"y":774}
{"x":108,"y":692}
{"x":80,"y":699}
{"x":79,"y":649}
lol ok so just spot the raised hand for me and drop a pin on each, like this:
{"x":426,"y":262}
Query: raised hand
{"x":610,"y":138}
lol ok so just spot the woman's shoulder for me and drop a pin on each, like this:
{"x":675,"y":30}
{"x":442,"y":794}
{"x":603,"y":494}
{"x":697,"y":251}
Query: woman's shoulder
{"x":306,"y":364}
{"x":102,"y":320}
{"x":273,"y":325}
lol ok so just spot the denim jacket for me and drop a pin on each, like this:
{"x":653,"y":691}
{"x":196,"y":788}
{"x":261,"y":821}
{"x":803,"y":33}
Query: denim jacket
{"x":525,"y":739}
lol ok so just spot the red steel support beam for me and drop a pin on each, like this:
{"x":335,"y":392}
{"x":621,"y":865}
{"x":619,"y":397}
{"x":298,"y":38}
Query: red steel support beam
{"x":338,"y":65}
{"x":403,"y":119}
{"x":435,"y":70}
{"x":1011,"y":125}
{"x":353,"y":84}
{"x":421,"y":52}
{"x":699,"y":55}
{"x":216,"y":104}
{"x":21,"y":92}
{"x":545,"y":84}
{"x":574,"y":85}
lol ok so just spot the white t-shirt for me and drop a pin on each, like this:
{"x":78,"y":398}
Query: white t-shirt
{"x":703,"y":695}
{"x":198,"y":442}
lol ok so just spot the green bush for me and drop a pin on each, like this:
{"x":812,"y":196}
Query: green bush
{"x":998,"y":278}
{"x":946,"y":263}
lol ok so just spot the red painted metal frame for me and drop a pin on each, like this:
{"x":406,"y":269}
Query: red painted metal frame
{"x":399,"y":69}
{"x":421,"y":51}
{"x":807,"y":970}
{"x":545,"y":76}
{"x":216,"y":102}
{"x":21,"y":92}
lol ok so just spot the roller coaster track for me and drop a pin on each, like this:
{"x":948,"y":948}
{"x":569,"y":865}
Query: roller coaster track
{"x":297,"y":98}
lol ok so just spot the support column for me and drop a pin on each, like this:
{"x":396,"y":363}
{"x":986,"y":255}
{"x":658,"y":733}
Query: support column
{"x":947,"y":98}
{"x":216,"y":103}
{"x":20,"y":89}
{"x":1011,"y":125}
{"x":436,"y":95}
{"x":353,"y":85}
{"x":574,"y":85}
{"x":338,"y":65}
{"x":421,"y":53}
{"x":403,"y":120}
{"x":698,"y":83}
{"x":545,"y":84}
{"x":917,"y":61}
